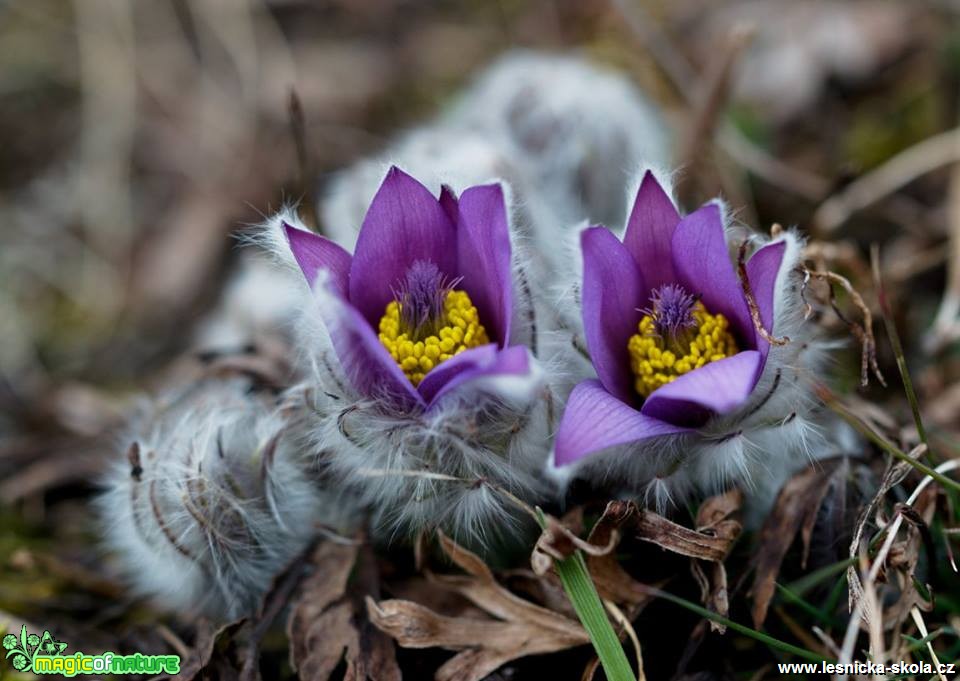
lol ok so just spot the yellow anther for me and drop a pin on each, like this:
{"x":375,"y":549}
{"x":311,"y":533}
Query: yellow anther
{"x":656,"y":361}
{"x":459,"y":330}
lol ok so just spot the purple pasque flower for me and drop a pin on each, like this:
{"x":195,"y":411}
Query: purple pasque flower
{"x":425,"y":303}
{"x":667,"y":326}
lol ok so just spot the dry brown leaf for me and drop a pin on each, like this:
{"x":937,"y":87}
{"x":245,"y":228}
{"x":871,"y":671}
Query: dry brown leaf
{"x":713,"y":590}
{"x":275,"y":601}
{"x":669,"y":535}
{"x":327,"y":626}
{"x":546,"y":590}
{"x":714,"y":518}
{"x":904,"y":556}
{"x":211,"y":651}
{"x":517,"y":628}
{"x":714,"y":514}
{"x":894,"y":475}
{"x":612,"y":581}
{"x":794,"y":511}
{"x":559,"y":541}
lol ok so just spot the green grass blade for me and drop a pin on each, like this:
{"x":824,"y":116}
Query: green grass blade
{"x":894,"y":337}
{"x":583,"y":594}
{"x":804,"y":584}
{"x":882,"y":442}
{"x":770,"y":641}
{"x":586,"y":602}
{"x":796,"y":599}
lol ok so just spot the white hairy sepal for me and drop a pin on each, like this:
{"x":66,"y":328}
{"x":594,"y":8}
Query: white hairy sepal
{"x":210,"y":500}
{"x":775,"y":432}
{"x":443,"y":468}
{"x":270,"y":237}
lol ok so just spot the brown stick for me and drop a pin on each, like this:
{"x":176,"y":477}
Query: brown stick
{"x":864,"y":334}
{"x":307,"y":177}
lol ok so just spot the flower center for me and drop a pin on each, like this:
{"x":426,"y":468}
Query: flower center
{"x":429,"y":321}
{"x":675,"y":336}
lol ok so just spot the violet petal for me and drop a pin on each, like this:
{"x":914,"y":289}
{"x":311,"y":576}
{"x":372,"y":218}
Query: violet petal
{"x":613,"y":290}
{"x":404,"y":223}
{"x":762,"y":269}
{"x":449,"y":202}
{"x":703,"y":265}
{"x":366,"y":362}
{"x":314,"y":253}
{"x":715,"y":388}
{"x":483,"y":251}
{"x":649,"y":232}
{"x":470,"y":365}
{"x":594,"y":420}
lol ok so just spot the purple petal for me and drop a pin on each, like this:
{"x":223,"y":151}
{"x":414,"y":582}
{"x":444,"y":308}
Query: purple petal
{"x":314,"y":253}
{"x":613,"y":290}
{"x":481,"y":362}
{"x":449,"y":203}
{"x":715,"y":388}
{"x":404,"y":223}
{"x":650,"y":230}
{"x":702,"y":264}
{"x":594,"y":420}
{"x":762,"y":269}
{"x":368,"y":366}
{"x":483,"y":250}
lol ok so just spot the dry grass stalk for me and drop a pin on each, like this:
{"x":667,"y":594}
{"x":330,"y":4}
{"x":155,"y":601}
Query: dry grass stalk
{"x":863,"y":333}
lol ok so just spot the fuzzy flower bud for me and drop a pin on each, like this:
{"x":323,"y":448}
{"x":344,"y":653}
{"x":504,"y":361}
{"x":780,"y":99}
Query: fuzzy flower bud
{"x":211,"y":499}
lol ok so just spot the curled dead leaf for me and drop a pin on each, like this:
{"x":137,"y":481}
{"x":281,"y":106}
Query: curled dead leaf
{"x":558,"y":542}
{"x":327,"y":624}
{"x":671,"y":536}
{"x":613,"y":582}
{"x":211,"y":651}
{"x":515,"y":627}
{"x":714,"y":517}
{"x":894,"y":475}
{"x":795,"y":511}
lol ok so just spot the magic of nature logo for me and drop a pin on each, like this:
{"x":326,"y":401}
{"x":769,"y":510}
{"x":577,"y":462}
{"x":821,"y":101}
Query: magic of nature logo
{"x":43,"y":654}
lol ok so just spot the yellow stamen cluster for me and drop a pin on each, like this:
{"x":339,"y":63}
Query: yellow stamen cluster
{"x":458,"y":330}
{"x":656,"y":361}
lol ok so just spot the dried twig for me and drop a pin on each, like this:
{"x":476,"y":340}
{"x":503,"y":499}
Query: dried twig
{"x":623,"y":621}
{"x":307,"y":172}
{"x":864,"y":333}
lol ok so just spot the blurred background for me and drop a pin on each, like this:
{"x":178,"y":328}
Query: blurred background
{"x":137,"y":136}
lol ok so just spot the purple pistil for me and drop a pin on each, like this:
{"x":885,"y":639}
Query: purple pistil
{"x":672,"y":310}
{"x":421,"y":296}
